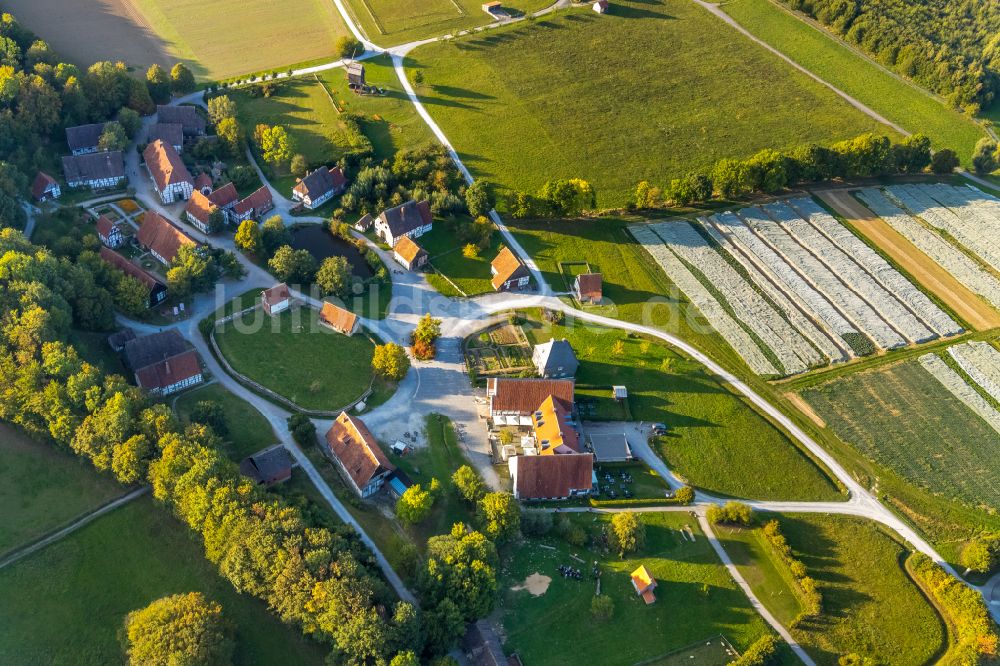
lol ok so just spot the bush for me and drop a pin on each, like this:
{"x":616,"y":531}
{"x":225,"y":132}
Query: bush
{"x":468,"y":484}
{"x":602,"y":608}
{"x":761,"y":653}
{"x":733,"y":513}
{"x":627,"y":533}
{"x":944,"y":161}
{"x":210,"y":413}
{"x":975,"y":632}
{"x":684,"y":495}
{"x":179,"y":629}
{"x":347,"y":46}
{"x":302,"y":428}
{"x":811,"y":596}
{"x":536,"y":523}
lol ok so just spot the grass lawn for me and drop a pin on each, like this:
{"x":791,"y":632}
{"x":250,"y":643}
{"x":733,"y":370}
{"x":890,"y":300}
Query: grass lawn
{"x":44,"y":487}
{"x":391,"y":121}
{"x":303,"y":108}
{"x":388,"y":22}
{"x":248,"y":430}
{"x":651,"y":90}
{"x":870,"y":605}
{"x":66,"y":603}
{"x":695,"y":598}
{"x":900,"y":417}
{"x":472,"y":276}
{"x":716,"y":441}
{"x":894,"y":98}
{"x":296,"y":357}
{"x":769,"y":577}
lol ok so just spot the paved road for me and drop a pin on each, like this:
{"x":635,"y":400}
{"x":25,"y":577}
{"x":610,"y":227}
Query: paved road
{"x":73,"y":527}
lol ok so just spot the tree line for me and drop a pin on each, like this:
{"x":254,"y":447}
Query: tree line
{"x":951,"y":47}
{"x":320,"y":579}
{"x":770,"y":171}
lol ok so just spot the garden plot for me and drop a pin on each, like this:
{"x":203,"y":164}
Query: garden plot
{"x":977,"y":236}
{"x":981,"y":362}
{"x":702,"y":298}
{"x":754,"y":250}
{"x":792,"y":350}
{"x":798,"y":315}
{"x":958,"y":387}
{"x":946,"y":255}
{"x":826,"y":281}
{"x":884,"y":274}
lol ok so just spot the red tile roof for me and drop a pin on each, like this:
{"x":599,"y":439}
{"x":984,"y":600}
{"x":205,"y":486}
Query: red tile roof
{"x":407,"y":249}
{"x":42,"y":182}
{"x":160,"y":236}
{"x":169,"y":371}
{"x":259,"y":202}
{"x":539,"y":477}
{"x":165,"y":165}
{"x":224,"y":196}
{"x":276,"y":294}
{"x":338,"y":318}
{"x":506,"y":266}
{"x":127,"y":267}
{"x":199,"y":206}
{"x":590,"y":286}
{"x":524,"y":396}
{"x":357,"y":450}
{"x":203,"y":180}
{"x":104,"y":226}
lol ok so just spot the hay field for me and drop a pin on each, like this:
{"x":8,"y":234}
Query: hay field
{"x":217,"y":39}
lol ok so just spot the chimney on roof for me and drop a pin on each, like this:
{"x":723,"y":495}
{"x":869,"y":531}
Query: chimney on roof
{"x":166,"y":367}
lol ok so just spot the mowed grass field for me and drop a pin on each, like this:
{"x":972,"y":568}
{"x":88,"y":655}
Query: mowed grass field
{"x":472,"y":276}
{"x":217,"y":40}
{"x":248,"y":430}
{"x":716,"y":440}
{"x":303,"y":108}
{"x":390,"y":22}
{"x":651,"y":90}
{"x":43,"y":488}
{"x":901,"y":417}
{"x":66,"y":603}
{"x":695,"y":598}
{"x":903,"y":103}
{"x":390,"y":122}
{"x":870,"y":605}
{"x":296,"y":357}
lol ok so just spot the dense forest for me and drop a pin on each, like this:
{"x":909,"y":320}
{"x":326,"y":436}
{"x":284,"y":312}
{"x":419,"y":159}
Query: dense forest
{"x":951,"y":47}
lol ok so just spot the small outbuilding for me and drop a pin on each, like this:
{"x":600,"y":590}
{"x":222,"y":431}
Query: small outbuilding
{"x":339,"y":319}
{"x":588,"y":288}
{"x":365,"y":223}
{"x":409,"y":255}
{"x":619,"y":393}
{"x":601,"y":6}
{"x":356,"y":74}
{"x":644,"y":584}
{"x":268,"y":467}
{"x":45,"y":188}
{"x":118,"y":339}
{"x":110,"y":233}
{"x":275,"y":300}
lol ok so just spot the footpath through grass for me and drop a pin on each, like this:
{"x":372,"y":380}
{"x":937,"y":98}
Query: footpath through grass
{"x":248,"y":430}
{"x":716,"y":440}
{"x":695,"y":597}
{"x":67,"y":603}
{"x":42,"y":488}
{"x":651,"y":90}
{"x":904,"y":103}
{"x":294,"y":356}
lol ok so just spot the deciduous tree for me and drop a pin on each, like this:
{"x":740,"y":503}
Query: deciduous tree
{"x":468,"y":484}
{"x":181,"y":79}
{"x":179,"y":629}
{"x":627,"y":533}
{"x":113,"y":137}
{"x":158,"y":83}
{"x":333,"y":276}
{"x":390,"y":361}
{"x":248,"y":237}
{"x":500,"y":516}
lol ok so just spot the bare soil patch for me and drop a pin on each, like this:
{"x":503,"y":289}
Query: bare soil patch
{"x":537,"y":584}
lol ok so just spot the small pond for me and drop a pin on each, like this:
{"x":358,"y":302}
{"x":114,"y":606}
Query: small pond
{"x":322,"y":244}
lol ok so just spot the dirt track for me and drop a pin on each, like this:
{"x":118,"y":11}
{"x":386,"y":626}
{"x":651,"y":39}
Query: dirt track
{"x":943,"y":284}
